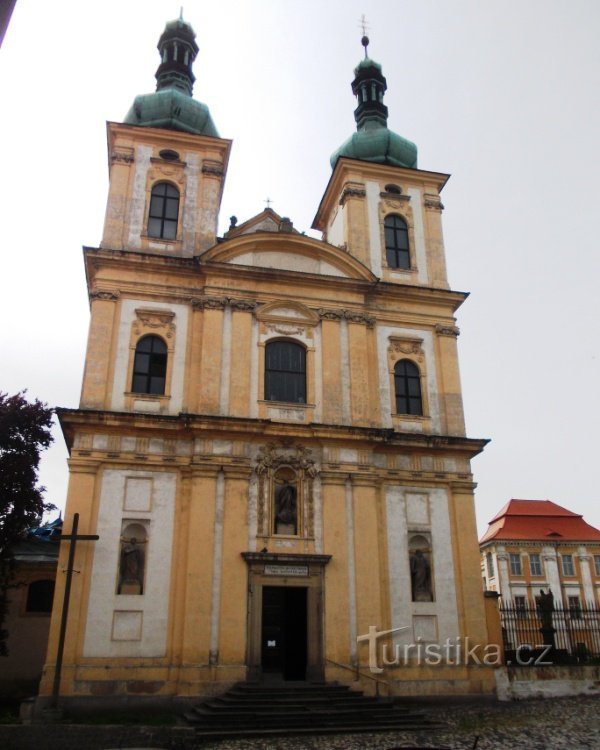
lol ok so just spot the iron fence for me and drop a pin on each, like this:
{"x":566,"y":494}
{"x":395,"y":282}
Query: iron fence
{"x":563,"y":635}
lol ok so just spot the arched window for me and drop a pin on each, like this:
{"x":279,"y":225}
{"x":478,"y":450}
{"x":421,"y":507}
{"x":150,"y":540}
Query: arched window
{"x":396,"y":242}
{"x":407,"y":383}
{"x":164,"y":210}
{"x":285,"y":372}
{"x":39,"y":596}
{"x":150,"y":366}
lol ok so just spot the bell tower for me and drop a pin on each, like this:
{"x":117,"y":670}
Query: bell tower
{"x":167,"y":163}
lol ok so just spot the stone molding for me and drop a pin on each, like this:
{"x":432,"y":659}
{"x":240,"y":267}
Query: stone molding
{"x":220,"y":303}
{"x":211,"y":167}
{"x":105,"y":295}
{"x":352,"y":190}
{"x":124,"y":155}
{"x":433,"y":202}
{"x":352,"y":316}
{"x":452,"y":331}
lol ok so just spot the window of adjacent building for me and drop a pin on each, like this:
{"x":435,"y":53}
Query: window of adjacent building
{"x":39,"y":596}
{"x":164,"y":211}
{"x":285,"y":372}
{"x":535,"y":565}
{"x":490,"y":564}
{"x":515,"y":564}
{"x":150,"y":366}
{"x":396,"y":242}
{"x":597,"y":564}
{"x":521,"y":606}
{"x":567,"y":565}
{"x":575,"y":608}
{"x":407,"y":384}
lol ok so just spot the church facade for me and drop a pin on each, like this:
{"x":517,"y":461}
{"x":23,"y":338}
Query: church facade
{"x":270,"y":441}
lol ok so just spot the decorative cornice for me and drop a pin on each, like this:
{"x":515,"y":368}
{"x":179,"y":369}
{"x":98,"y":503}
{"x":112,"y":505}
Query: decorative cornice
{"x":352,"y":190}
{"x":353,"y":316}
{"x":125,"y":156}
{"x":153,"y":318}
{"x":272,"y":456}
{"x":100,"y":294}
{"x":220,"y":303}
{"x":400,"y":345}
{"x":286,"y":330}
{"x":433,"y":202}
{"x":452,"y":331}
{"x":212,"y":167}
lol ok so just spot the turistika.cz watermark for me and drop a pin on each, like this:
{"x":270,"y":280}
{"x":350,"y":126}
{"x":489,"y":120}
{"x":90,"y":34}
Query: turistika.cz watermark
{"x":455,"y":652}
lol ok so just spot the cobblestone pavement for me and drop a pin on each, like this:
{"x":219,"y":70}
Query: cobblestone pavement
{"x":569,"y":723}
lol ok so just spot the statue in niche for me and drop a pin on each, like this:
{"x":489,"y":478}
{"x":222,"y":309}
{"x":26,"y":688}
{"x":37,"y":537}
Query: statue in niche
{"x":131,"y":568}
{"x":420,"y":577}
{"x":286,"y":508}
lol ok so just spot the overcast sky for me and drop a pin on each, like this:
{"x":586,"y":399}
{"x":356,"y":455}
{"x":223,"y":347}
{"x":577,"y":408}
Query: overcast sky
{"x":502,"y":95}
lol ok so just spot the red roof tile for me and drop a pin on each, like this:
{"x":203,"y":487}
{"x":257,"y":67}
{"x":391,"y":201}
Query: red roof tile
{"x":539,"y":520}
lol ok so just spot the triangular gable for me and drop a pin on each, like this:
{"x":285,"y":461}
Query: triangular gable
{"x":266,"y":221}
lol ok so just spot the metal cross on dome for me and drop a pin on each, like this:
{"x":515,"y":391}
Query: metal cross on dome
{"x":268,"y":201}
{"x":365,"y":27}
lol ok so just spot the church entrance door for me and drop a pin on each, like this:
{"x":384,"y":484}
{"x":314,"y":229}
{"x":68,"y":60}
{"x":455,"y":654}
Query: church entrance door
{"x":284,"y":632}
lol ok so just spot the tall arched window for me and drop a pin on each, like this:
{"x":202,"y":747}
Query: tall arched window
{"x":407,"y":383}
{"x":285,"y":372}
{"x":396,"y":242}
{"x":164,"y":210}
{"x":150,"y":366}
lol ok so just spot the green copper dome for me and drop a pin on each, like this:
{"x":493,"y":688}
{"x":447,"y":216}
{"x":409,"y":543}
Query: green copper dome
{"x":171,"y":106}
{"x":373,"y":140}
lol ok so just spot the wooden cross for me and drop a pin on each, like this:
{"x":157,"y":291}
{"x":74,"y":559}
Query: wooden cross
{"x":73,"y":538}
{"x":268,"y":201}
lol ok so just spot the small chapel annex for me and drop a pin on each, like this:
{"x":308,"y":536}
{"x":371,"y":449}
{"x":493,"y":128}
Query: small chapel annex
{"x":270,"y":441}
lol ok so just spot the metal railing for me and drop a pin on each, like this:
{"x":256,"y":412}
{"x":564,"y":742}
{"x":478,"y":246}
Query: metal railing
{"x":358,"y":673}
{"x":562,"y":635}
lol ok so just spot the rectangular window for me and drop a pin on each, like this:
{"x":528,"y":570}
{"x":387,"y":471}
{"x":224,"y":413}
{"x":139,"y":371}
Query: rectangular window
{"x":521,"y":606}
{"x":490,"y":564}
{"x":567,"y":565}
{"x":597,"y":564}
{"x":535,"y":565}
{"x":575,"y":608}
{"x":515,"y":564}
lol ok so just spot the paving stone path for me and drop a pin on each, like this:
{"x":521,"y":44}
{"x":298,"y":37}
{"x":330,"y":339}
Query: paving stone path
{"x":561,"y":723}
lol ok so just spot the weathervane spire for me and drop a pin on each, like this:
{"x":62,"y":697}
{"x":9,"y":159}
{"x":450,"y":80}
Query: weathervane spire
{"x":365,"y":39}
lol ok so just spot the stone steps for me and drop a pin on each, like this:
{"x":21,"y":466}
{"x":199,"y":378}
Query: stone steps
{"x":254,"y":710}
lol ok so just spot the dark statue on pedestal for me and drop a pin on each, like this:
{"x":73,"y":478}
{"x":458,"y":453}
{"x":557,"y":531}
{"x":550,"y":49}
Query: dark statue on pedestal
{"x":420,"y":577}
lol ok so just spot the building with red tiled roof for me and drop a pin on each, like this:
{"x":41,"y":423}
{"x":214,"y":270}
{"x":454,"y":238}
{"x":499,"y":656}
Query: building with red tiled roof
{"x":537,"y":544}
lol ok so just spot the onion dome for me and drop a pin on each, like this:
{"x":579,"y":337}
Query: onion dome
{"x":171,"y":106}
{"x":373,"y":140}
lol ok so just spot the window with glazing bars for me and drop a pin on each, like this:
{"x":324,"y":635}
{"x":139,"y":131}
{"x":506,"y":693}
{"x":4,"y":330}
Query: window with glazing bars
{"x":535,"y":565}
{"x":285,"y":372}
{"x":164,"y":211}
{"x":407,"y":384}
{"x":150,"y":366}
{"x":396,"y":242}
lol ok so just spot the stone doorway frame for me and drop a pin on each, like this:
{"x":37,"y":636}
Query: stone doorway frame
{"x":306,"y":571}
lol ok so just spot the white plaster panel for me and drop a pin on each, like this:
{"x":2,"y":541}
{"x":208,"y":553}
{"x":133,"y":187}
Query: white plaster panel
{"x":252,"y":511}
{"x":417,"y":508}
{"x":352,"y":612}
{"x":128,"y":316}
{"x":254,"y":370}
{"x":222,"y":447}
{"x":402,"y":607}
{"x":128,"y":444}
{"x":425,"y":628}
{"x":383,"y":334}
{"x":138,"y":494}
{"x":318,"y":511}
{"x":225,"y":363}
{"x":138,"y":196}
{"x":154,"y":603}
{"x":217,"y":568}
{"x":156,"y":446}
{"x":335,"y":231}
{"x":287,"y":262}
{"x":318,"y":387}
{"x":348,"y":455}
{"x":127,"y":626}
{"x":149,"y":406}
{"x":420,"y":247}
{"x":190,"y":198}
{"x":374,"y":227}
{"x":345,"y":372}
{"x":100,"y":442}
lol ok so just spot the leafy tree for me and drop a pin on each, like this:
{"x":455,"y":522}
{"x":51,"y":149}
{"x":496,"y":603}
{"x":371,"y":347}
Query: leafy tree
{"x":24,"y":433}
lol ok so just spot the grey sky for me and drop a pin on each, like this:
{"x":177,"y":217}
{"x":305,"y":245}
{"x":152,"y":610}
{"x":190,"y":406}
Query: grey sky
{"x":503,"y":95}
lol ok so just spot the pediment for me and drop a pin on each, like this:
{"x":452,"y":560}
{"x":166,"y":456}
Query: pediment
{"x":287,"y":312}
{"x":288,"y":252}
